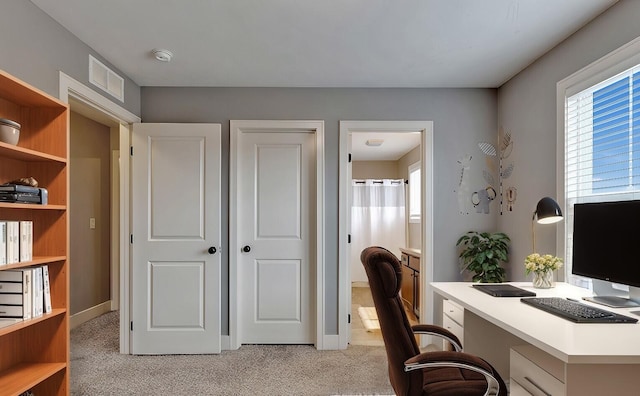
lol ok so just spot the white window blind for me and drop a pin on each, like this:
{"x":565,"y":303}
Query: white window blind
{"x":602,"y":144}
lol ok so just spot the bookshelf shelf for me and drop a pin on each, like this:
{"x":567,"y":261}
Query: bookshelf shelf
{"x":34,"y":353}
{"x":30,"y":322}
{"x":23,"y":154}
{"x":32,"y":206}
{"x":35,"y":261}
{"x":25,"y":376}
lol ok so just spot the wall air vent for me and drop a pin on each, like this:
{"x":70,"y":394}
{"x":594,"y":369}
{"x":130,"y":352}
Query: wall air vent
{"x":104,"y":78}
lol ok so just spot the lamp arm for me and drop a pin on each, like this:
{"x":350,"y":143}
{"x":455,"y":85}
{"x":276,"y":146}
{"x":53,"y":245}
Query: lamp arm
{"x":533,"y":232}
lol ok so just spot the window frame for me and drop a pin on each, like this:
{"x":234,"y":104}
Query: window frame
{"x":610,"y":65}
{"x":414,"y":167}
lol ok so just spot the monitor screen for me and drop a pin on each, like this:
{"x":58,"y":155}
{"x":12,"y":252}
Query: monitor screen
{"x":606,"y":241}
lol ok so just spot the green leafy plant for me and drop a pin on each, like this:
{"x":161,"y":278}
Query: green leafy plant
{"x":482,"y":253}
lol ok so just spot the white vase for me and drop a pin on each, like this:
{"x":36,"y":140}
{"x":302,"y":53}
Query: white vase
{"x":543,"y":280}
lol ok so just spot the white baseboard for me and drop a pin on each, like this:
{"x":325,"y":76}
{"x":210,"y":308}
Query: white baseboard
{"x":76,"y":320}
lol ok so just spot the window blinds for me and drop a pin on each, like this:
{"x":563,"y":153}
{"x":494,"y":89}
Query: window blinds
{"x":602,"y":146}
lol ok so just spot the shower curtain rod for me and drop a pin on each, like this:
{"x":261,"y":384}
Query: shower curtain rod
{"x":376,"y":181}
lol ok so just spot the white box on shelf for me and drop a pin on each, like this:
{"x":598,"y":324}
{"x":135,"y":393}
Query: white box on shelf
{"x":23,"y":279}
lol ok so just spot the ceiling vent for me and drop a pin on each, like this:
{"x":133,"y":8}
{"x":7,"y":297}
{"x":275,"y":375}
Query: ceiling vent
{"x":104,"y":78}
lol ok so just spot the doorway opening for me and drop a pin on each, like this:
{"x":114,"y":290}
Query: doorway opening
{"x":93,"y":165}
{"x":90,"y":104}
{"x":358,"y":166}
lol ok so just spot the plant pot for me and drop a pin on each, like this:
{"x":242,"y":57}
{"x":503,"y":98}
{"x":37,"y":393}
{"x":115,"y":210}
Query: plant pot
{"x":543,"y":280}
{"x":9,"y":131}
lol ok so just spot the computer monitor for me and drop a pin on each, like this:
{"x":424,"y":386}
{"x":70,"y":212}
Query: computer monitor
{"x":606,"y":246}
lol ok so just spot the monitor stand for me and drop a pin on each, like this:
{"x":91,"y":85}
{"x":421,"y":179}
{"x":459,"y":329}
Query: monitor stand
{"x":613,"y":301}
{"x":612,"y":297}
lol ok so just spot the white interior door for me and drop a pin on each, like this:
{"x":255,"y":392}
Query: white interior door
{"x":176,"y":238}
{"x":276,"y":234}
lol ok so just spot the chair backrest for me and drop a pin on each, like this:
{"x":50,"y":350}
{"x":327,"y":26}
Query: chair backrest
{"x":385,"y":278}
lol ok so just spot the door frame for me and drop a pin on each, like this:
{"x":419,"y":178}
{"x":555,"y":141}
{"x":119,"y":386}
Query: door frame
{"x":425,"y":128}
{"x":236,"y":127}
{"x":101,"y":107}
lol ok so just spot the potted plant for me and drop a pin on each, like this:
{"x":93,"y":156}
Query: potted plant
{"x":482,"y":253}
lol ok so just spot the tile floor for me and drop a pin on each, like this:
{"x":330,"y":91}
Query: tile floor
{"x":361,"y":297}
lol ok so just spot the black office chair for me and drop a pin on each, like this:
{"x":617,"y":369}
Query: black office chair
{"x":412,"y":372}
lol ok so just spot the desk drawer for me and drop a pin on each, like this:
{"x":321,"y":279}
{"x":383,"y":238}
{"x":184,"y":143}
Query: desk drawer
{"x":515,"y":389}
{"x":533,"y":378}
{"x":453,"y":327}
{"x":454,"y":311}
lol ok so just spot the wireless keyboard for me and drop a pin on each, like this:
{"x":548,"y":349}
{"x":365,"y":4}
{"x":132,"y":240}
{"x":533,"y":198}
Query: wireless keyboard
{"x":576,"y":311}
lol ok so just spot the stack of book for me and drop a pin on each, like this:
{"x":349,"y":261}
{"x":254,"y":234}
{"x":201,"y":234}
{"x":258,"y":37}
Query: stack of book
{"x":16,"y":241}
{"x":24,"y":294}
{"x":18,"y":193}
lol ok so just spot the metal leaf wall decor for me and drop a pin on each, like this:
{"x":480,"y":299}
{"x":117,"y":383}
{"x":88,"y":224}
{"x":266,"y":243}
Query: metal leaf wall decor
{"x":505,"y":147}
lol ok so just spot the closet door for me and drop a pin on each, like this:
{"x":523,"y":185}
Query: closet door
{"x":176,"y":238}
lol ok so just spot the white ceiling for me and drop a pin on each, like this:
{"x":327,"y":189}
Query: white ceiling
{"x":393,"y":147}
{"x":330,"y":43}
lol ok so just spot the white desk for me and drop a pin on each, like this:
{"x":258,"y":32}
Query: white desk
{"x":590,"y":359}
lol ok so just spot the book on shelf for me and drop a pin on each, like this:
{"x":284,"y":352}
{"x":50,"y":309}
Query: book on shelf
{"x":21,"y":278}
{"x":4,"y":322}
{"x":47,"y":289}
{"x":26,"y":240}
{"x":37,"y":292}
{"x":19,"y":197}
{"x":13,"y":242}
{"x":3,"y":243}
{"x":18,"y":188}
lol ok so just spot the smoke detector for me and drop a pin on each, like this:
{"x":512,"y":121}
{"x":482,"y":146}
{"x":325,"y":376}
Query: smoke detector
{"x":163,"y":55}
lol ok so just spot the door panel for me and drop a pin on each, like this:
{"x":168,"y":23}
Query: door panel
{"x":176,"y":172}
{"x":276,"y":194}
{"x":278,"y":290}
{"x":176,"y":218}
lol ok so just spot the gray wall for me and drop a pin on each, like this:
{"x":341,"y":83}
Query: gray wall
{"x":462,"y":118}
{"x":527,"y":107}
{"x":90,"y":186}
{"x":35,"y":48}
{"x":374,"y":170}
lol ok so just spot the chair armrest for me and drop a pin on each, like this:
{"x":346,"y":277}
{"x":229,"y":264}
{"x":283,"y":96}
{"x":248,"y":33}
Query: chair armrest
{"x":439,"y":332}
{"x":455,"y":359}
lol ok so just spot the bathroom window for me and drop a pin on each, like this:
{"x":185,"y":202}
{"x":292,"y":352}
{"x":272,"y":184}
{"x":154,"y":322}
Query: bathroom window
{"x":414,"y":193}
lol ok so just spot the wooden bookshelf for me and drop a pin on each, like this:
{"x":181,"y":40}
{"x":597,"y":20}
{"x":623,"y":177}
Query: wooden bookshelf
{"x":34,"y":353}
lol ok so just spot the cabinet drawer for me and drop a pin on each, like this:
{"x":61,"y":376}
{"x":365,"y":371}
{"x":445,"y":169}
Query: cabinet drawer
{"x":533,"y":378}
{"x":414,"y":262}
{"x":515,"y":389}
{"x":453,"y":327}
{"x":454,"y":311}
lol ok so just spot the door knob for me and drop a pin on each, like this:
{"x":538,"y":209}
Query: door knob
{"x":212,"y":250}
{"x":246,"y":248}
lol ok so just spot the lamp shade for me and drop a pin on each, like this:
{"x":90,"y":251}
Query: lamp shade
{"x":548,"y":211}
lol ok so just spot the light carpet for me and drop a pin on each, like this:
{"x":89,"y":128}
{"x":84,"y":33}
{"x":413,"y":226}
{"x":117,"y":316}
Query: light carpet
{"x":98,"y":369}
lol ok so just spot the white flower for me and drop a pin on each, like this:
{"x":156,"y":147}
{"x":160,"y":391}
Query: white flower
{"x":541,"y":263}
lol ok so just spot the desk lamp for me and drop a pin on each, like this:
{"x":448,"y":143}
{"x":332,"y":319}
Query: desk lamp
{"x":548,"y":212}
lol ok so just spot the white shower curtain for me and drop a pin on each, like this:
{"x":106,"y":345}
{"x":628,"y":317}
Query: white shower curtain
{"x":377,"y":218}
